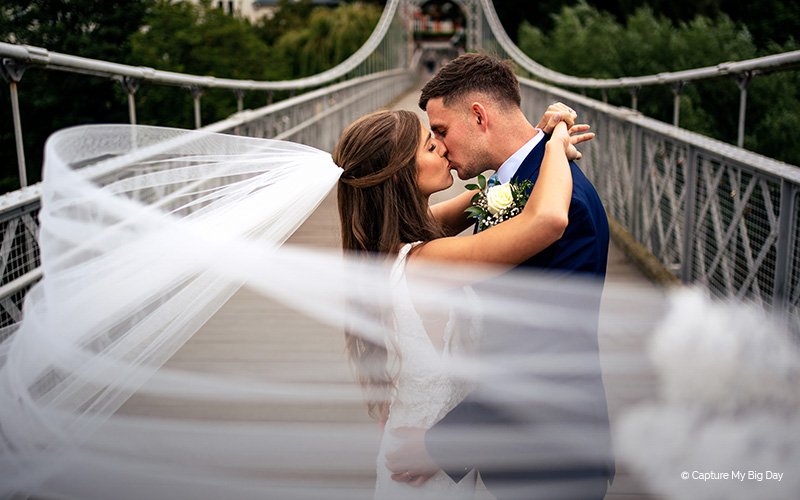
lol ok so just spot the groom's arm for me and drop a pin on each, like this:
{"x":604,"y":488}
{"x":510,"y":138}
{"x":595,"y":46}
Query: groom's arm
{"x":449,"y":442}
{"x":446,"y":446}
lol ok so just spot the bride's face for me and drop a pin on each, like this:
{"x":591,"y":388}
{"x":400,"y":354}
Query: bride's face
{"x":433,"y":167}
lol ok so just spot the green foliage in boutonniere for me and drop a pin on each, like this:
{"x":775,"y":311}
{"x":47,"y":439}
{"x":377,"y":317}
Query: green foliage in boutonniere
{"x":498,"y":203}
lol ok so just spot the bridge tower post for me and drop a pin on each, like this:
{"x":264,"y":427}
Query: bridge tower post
{"x":12,"y":71}
{"x":130,"y":85}
{"x":786,"y":236}
{"x":743,"y":81}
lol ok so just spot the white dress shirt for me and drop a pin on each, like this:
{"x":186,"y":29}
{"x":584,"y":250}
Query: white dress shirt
{"x":512,"y":164}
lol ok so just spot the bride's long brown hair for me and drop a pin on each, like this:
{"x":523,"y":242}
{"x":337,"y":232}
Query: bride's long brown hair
{"x":380,"y":209}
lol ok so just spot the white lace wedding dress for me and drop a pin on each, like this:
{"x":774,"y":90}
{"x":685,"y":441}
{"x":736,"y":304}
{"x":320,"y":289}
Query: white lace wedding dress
{"x":425,"y":389}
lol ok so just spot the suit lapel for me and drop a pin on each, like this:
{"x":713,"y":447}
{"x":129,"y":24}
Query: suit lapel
{"x":529,"y":169}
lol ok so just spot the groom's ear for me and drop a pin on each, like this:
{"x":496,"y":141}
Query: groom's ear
{"x":478,"y":113}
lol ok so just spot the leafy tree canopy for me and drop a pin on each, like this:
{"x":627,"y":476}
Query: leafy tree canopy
{"x":181,"y":36}
{"x":586,"y":41}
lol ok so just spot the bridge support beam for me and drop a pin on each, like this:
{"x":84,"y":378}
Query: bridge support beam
{"x":239,"y":99}
{"x":786,"y":223}
{"x":677,"y":88}
{"x":197,"y":93}
{"x":130,"y":85}
{"x":634,"y":91}
{"x":690,"y":215}
{"x":637,"y":170}
{"x":743,"y":81}
{"x":12,"y":71}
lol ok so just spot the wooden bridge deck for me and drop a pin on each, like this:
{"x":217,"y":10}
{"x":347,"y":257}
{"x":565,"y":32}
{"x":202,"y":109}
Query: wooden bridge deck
{"x":237,"y":341}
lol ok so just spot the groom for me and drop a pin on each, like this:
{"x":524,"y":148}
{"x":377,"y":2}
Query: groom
{"x":473,"y":105}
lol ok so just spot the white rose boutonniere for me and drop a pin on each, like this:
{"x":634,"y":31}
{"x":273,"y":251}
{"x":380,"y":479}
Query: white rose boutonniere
{"x":499,"y":198}
{"x":498,"y":203}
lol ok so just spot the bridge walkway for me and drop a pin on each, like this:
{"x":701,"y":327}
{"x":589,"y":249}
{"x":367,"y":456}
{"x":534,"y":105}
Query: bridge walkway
{"x":238,"y":341}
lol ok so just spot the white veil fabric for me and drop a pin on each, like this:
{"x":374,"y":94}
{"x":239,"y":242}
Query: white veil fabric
{"x":178,"y":347}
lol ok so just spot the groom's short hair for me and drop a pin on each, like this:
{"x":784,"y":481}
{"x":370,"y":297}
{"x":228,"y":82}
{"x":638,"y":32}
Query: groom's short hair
{"x":473,"y":73}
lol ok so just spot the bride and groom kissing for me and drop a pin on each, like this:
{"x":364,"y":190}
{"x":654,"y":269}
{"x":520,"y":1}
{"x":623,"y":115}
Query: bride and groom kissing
{"x":551,"y":441}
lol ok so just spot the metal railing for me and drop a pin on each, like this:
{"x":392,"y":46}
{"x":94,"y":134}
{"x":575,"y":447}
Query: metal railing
{"x":388,"y":47}
{"x":315,"y":118}
{"x":496,"y":40}
{"x":374,"y":75}
{"x":712,"y":213}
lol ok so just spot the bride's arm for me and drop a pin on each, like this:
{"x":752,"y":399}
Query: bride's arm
{"x":451,"y":213}
{"x":541,"y":223}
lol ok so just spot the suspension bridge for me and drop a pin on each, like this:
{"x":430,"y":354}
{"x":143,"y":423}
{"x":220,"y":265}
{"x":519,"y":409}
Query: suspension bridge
{"x":690,"y":209}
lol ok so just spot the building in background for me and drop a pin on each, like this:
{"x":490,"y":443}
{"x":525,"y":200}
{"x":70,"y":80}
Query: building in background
{"x":253,"y":10}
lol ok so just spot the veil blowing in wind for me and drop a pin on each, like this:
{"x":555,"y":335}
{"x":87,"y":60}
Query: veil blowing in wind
{"x":146,"y":235}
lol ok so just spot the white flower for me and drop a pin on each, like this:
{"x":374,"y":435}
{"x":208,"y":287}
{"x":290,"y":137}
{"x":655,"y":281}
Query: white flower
{"x":498,"y":198}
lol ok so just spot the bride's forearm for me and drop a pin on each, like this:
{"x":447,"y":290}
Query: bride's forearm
{"x":450,"y":213}
{"x":552,"y":192}
{"x":541,"y":223}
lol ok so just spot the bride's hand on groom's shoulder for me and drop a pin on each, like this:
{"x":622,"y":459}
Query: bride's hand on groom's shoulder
{"x":566,"y":114}
{"x":559,"y":112}
{"x":577,"y":134}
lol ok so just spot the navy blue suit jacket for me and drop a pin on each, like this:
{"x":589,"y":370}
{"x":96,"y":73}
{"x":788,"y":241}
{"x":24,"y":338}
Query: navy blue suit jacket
{"x":584,"y":246}
{"x":582,"y":250}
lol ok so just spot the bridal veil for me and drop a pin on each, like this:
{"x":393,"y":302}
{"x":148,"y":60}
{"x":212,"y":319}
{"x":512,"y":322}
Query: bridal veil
{"x":147,"y":233}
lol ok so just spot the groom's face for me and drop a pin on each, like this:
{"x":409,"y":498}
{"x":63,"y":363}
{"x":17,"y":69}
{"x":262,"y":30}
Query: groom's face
{"x":455,"y":127}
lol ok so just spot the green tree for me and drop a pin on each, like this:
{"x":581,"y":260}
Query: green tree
{"x":769,"y":21}
{"x":178,"y":36}
{"x":290,"y":15}
{"x":773,"y":111}
{"x":327,"y":38}
{"x":587,"y":42}
{"x":50,"y":100}
{"x":583,"y":40}
{"x":201,"y":40}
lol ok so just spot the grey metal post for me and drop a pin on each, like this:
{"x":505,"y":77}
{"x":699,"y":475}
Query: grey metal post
{"x":743,"y":81}
{"x":12,"y":71}
{"x":689,"y":215}
{"x":636,"y":172}
{"x":786,"y":222}
{"x":634,"y":91}
{"x":604,"y":93}
{"x":239,"y":99}
{"x":677,"y":88}
{"x":130,"y":85}
{"x":197,"y":93}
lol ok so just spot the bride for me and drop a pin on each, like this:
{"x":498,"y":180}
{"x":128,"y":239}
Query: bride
{"x":391,"y":166}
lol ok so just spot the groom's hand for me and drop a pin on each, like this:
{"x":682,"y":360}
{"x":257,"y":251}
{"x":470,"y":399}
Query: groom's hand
{"x":410,"y":462}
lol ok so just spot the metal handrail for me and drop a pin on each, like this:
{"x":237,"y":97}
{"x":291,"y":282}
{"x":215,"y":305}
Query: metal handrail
{"x":21,"y":197}
{"x":14,"y":201}
{"x":38,"y":56}
{"x":724,"y":150}
{"x":771,"y":62}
